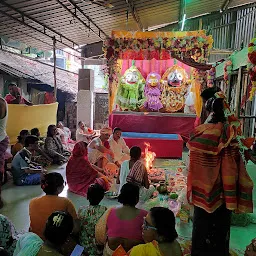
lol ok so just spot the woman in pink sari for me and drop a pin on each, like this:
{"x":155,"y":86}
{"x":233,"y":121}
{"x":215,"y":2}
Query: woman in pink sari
{"x":81,"y":174}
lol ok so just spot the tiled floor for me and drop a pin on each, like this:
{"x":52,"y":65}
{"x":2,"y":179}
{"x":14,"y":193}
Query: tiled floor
{"x":17,"y":200}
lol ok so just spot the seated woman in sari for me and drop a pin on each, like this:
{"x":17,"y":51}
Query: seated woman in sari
{"x":39,"y":156}
{"x":19,"y":145}
{"x":218,"y":182}
{"x":8,"y":235}
{"x":159,"y":235}
{"x":89,"y":215}
{"x":53,"y":146}
{"x":57,"y":231}
{"x":81,"y":174}
{"x":98,"y":153}
{"x":64,"y":134}
{"x":134,"y":171}
{"x":122,"y":225}
{"x":84,"y":133}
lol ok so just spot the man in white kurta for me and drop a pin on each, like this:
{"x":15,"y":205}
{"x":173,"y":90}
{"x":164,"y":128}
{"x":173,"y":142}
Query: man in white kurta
{"x":119,"y":147}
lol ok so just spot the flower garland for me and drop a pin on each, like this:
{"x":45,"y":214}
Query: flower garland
{"x":252,"y":66}
{"x":227,"y":70}
{"x":197,"y":47}
{"x":211,"y":77}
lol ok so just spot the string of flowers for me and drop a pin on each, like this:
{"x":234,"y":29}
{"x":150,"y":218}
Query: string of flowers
{"x":252,"y":66}
{"x":211,"y":75}
{"x":160,"y":48}
{"x":227,"y":70}
{"x":187,"y":46}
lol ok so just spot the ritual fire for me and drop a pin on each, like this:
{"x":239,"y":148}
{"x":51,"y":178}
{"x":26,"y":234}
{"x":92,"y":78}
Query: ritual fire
{"x":149,"y":156}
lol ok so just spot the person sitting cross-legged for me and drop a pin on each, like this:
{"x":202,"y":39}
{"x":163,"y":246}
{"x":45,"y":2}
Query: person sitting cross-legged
{"x":121,"y":225}
{"x":134,"y":171}
{"x":57,"y":230}
{"x":64,"y":134}
{"x":159,"y":235}
{"x":40,"y":156}
{"x":24,"y":171}
{"x":98,"y":153}
{"x":89,"y":216}
{"x":54,"y":148}
{"x":42,"y":207}
{"x":84,"y":133}
{"x":119,"y":148}
{"x":81,"y":174}
{"x":19,"y":145}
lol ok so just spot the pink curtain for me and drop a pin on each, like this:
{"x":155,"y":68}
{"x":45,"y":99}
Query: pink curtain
{"x":159,"y":66}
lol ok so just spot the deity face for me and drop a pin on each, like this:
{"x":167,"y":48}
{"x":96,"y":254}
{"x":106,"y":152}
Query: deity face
{"x":153,"y":81}
{"x":175,"y":78}
{"x":132,"y":77}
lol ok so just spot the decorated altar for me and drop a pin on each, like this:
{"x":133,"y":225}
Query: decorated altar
{"x":156,"y":68}
{"x":155,"y":80}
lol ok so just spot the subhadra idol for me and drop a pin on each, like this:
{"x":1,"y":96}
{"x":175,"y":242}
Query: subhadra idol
{"x":130,"y":94}
{"x":153,"y":92}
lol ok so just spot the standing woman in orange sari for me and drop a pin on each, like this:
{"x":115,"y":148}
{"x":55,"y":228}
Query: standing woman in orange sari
{"x":217,"y":181}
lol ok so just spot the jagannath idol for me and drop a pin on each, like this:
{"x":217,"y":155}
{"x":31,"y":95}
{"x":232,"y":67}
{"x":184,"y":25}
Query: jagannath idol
{"x":174,"y":88}
{"x":130,"y":94}
{"x":153,"y":92}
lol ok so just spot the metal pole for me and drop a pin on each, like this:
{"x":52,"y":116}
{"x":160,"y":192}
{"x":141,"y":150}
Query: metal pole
{"x":54,"y":68}
{"x":238,"y":92}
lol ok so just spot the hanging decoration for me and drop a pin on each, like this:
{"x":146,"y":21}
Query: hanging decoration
{"x":192,"y":46}
{"x":252,"y":66}
{"x":227,"y":70}
{"x":211,"y":77}
{"x":158,"y":48}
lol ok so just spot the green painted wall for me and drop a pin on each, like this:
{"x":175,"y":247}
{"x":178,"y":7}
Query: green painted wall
{"x":238,"y":59}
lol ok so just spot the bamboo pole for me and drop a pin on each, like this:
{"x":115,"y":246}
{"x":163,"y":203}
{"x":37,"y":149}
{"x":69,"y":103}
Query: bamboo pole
{"x":54,"y":68}
{"x":238,"y":92}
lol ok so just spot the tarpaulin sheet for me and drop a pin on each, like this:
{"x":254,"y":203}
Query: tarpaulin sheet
{"x":153,"y":123}
{"x":21,"y":117}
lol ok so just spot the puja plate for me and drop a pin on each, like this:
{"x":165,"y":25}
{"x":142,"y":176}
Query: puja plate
{"x":111,"y":195}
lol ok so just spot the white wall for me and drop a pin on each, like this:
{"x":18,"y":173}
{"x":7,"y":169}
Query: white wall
{"x":98,"y":75}
{"x":24,"y":89}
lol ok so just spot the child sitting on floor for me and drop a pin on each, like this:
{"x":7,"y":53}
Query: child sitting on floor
{"x":89,"y":216}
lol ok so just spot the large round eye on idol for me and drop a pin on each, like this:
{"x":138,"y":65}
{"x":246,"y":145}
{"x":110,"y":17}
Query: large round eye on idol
{"x":129,"y":76}
{"x":179,"y":76}
{"x":171,"y":76}
{"x":135,"y":77}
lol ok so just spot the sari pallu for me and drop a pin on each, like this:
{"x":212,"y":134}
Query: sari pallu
{"x":80,"y":173}
{"x":28,"y":244}
{"x":217,"y":174}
